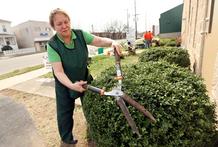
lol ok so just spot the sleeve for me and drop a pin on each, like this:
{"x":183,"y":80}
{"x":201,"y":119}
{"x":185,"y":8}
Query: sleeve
{"x":52,"y":54}
{"x":88,"y":37}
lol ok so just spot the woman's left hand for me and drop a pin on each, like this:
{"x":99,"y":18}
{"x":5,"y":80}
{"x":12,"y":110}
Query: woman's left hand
{"x":117,"y":46}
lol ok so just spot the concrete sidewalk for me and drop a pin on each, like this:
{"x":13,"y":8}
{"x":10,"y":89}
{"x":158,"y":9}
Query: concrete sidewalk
{"x":31,"y":83}
{"x":9,"y":82}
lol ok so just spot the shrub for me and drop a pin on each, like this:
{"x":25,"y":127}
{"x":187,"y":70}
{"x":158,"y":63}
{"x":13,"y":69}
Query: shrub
{"x":185,"y":116}
{"x":139,"y":43}
{"x":6,"y":47}
{"x":171,"y":42}
{"x":177,"y":56}
{"x":163,"y":41}
{"x":124,"y":45}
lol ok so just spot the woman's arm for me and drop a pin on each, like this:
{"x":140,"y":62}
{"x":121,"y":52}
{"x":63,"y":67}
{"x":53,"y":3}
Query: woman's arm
{"x":62,"y":77}
{"x":106,"y":42}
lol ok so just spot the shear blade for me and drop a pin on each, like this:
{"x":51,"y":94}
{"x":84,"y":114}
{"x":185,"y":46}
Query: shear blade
{"x":114,"y":92}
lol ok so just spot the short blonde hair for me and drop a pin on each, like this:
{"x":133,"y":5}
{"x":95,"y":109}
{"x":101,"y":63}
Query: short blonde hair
{"x":53,"y":13}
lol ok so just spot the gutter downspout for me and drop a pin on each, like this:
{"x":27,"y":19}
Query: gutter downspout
{"x":203,"y":36}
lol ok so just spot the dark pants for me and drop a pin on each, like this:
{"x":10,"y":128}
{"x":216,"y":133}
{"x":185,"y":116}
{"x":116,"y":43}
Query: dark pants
{"x":65,"y":107}
{"x":149,"y":43}
{"x":146,"y":44}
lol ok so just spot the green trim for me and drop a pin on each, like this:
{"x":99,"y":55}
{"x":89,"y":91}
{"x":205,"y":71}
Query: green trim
{"x":71,"y":45}
{"x":88,"y":37}
{"x":52,"y":54}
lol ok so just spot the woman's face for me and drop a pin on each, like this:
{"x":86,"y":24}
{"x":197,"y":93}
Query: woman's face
{"x":62,"y":25}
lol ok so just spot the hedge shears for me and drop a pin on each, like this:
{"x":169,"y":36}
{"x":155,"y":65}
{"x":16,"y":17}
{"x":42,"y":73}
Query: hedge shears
{"x":120,"y":97}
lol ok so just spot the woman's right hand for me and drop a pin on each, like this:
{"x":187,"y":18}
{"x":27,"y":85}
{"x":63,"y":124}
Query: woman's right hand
{"x":78,"y":86}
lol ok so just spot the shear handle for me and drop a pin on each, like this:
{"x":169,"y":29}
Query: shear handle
{"x":94,"y":89}
{"x":117,"y":57}
{"x":138,"y":107}
{"x":128,"y":116}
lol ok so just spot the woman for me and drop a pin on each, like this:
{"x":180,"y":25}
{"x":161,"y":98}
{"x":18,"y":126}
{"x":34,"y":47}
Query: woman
{"x":68,"y":54}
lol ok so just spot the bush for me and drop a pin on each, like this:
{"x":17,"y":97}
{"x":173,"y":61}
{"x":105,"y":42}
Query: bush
{"x":124,"y":45}
{"x":6,"y":48}
{"x":139,"y":43}
{"x":185,"y":116}
{"x":163,"y":41}
{"x":177,"y":56}
{"x":171,"y":42}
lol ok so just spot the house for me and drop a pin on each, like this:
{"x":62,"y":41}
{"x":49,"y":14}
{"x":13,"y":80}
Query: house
{"x":33,"y":34}
{"x":199,"y":36}
{"x":170,"y":22}
{"x":7,"y":37}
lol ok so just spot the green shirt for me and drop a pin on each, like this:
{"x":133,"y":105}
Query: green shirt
{"x":53,"y":56}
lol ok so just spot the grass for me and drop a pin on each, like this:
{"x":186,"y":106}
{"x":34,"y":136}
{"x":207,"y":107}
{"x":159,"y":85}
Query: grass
{"x":102,"y":62}
{"x":20,"y":71}
{"x":48,"y":75}
{"x":98,"y":64}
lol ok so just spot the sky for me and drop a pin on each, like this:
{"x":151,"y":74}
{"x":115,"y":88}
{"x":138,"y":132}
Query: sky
{"x":89,"y":15}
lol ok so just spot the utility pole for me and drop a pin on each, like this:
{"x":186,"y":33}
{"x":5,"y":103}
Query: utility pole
{"x":145,"y":20}
{"x":127,"y":20}
{"x":135,"y":20}
{"x":92,"y":28}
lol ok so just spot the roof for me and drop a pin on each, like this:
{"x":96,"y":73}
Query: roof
{"x":7,"y":34}
{"x":41,"y":39}
{"x":2,"y":20}
{"x":31,"y":21}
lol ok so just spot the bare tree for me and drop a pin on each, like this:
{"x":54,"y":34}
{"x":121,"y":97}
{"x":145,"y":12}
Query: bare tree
{"x":116,"y":29}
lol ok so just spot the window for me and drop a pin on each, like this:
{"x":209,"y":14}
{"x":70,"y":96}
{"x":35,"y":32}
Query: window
{"x":43,"y":34}
{"x":27,"y":30}
{"x":4,"y":28}
{"x":37,"y":29}
{"x":48,"y":29}
{"x":1,"y":41}
{"x":211,"y":16}
{"x":10,"y":40}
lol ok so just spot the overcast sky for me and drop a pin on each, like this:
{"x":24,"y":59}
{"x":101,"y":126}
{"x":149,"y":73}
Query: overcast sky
{"x":87,"y":13}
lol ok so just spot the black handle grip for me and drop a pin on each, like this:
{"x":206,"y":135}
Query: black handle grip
{"x":94,"y":89}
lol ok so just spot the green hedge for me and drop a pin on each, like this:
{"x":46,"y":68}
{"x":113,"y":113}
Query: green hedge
{"x":168,"y":42}
{"x":176,"y":98}
{"x":177,"y":56}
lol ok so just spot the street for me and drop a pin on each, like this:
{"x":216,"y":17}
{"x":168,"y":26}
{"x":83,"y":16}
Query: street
{"x":11,"y":64}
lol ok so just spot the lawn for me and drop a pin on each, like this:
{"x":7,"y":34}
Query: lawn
{"x":98,"y":64}
{"x":102,"y":62}
{"x":20,"y":71}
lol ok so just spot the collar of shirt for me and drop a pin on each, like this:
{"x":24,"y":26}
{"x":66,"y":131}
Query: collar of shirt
{"x":71,"y":45}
